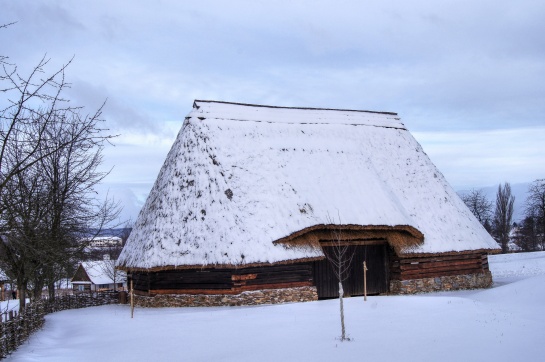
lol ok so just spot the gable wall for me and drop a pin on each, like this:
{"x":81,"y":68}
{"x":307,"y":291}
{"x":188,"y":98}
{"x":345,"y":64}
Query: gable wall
{"x":442,"y":272}
{"x":417,"y":267}
{"x":80,"y":275}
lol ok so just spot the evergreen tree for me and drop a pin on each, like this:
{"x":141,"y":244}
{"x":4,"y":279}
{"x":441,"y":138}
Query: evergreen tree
{"x":503,"y":216}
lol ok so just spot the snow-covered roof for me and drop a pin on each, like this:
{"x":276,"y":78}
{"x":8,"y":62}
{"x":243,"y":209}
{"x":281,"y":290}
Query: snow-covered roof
{"x":240,"y":177}
{"x":3,"y":275}
{"x":101,"y":272}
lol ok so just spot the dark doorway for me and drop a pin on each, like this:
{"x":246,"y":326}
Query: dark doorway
{"x":378,"y":278}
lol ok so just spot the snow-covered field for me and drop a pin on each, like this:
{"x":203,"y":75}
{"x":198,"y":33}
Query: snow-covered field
{"x":504,"y":323}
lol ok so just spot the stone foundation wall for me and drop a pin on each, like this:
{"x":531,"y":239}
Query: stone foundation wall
{"x":454,"y":282}
{"x":266,"y":296}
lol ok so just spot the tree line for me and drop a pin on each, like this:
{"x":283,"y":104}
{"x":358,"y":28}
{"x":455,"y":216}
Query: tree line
{"x":497,"y":219}
{"x":50,"y":153}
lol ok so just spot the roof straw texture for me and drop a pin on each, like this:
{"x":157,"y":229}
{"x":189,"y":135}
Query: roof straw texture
{"x":240,"y":177}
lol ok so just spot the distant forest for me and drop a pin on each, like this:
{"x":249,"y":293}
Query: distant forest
{"x":525,"y":234}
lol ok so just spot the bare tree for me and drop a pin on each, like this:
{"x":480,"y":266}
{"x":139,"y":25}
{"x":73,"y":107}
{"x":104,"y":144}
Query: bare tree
{"x":72,"y":175}
{"x":340,"y":255}
{"x":49,"y":158}
{"x":503,"y":216}
{"x":22,"y":249}
{"x":526,"y":235}
{"x":479,"y":205}
{"x":47,"y":207}
{"x":107,"y":267}
{"x":535,"y":208}
{"x":31,"y":105}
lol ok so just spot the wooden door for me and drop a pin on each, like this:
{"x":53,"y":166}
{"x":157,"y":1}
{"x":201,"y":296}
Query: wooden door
{"x":376,"y":257}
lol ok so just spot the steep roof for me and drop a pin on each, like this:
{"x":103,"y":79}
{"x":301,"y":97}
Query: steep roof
{"x":240,"y":177}
{"x":98,"y":272}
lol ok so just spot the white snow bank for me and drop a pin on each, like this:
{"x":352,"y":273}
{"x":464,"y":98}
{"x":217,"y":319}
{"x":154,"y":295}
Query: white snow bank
{"x":517,"y":265}
{"x":503,"y":323}
{"x":528,"y":292}
{"x":9,"y":304}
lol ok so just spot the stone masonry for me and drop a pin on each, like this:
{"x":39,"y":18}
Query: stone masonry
{"x":265,"y":296}
{"x":454,"y":282}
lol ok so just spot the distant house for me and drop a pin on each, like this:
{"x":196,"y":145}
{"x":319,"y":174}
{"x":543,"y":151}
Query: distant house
{"x":105,"y":241}
{"x":101,"y":246}
{"x":98,"y":276}
{"x":243,"y":210}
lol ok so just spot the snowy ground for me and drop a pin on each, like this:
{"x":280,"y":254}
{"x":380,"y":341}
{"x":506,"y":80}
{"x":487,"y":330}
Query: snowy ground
{"x":7,"y":305}
{"x":504,"y":323}
{"x":10,"y":304}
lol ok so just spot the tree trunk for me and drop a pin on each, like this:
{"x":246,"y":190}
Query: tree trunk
{"x":37,"y":288}
{"x":36,"y":293}
{"x":21,"y":288}
{"x":51,"y":290}
{"x":341,"y":295}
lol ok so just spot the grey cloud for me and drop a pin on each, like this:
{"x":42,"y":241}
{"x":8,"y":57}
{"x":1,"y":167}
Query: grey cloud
{"x":444,"y":67}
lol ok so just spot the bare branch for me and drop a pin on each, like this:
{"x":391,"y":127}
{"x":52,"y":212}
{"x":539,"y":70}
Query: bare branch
{"x":50,"y":153}
{"x":340,"y":256}
{"x":478,"y":204}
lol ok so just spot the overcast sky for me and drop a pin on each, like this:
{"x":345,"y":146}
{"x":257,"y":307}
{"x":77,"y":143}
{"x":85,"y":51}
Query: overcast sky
{"x":466,"y":77}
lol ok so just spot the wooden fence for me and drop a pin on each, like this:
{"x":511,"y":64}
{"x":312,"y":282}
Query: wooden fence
{"x":16,"y":328}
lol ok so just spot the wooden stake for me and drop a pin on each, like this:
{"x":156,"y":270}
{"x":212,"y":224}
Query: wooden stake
{"x":132,"y":300}
{"x":364,"y":281}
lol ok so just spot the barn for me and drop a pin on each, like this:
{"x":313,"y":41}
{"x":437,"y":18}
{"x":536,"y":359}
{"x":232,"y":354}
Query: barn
{"x":251,"y":199}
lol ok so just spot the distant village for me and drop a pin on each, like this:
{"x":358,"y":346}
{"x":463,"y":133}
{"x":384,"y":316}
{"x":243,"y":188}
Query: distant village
{"x":95,"y":273}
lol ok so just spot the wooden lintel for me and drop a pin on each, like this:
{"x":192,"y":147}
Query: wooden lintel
{"x":354,"y":242}
{"x":446,"y":264}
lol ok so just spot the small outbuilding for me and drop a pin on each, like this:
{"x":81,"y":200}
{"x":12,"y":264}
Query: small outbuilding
{"x":252,"y":198}
{"x":98,"y":276}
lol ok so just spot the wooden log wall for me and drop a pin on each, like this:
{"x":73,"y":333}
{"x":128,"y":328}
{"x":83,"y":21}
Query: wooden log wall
{"x":415,"y":267}
{"x":378,"y":279}
{"x":222,"y":281}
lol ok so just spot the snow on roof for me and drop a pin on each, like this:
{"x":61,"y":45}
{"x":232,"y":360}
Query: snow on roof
{"x":240,"y":177}
{"x":259,"y":113}
{"x":3,"y":275}
{"x":101,"y":272}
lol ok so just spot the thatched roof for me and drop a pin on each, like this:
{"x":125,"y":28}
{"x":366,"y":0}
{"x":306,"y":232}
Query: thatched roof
{"x":240,"y":177}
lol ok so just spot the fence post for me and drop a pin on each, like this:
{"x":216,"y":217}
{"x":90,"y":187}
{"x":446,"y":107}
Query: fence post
{"x":132,"y":300}
{"x":364,"y":281}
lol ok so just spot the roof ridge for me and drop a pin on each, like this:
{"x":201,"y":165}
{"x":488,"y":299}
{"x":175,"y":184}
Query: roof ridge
{"x":283,"y":107}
